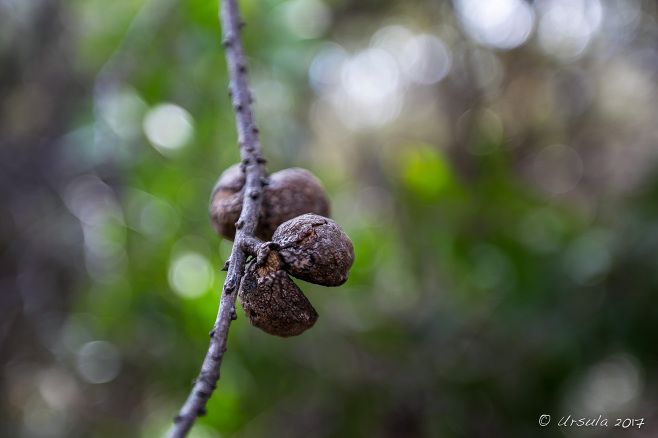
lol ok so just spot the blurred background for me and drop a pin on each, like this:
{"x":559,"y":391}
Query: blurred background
{"x":493,"y":161}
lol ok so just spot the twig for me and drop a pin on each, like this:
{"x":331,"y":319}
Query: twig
{"x":254,"y":166}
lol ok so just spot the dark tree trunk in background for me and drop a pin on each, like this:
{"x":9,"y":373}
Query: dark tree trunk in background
{"x":39,"y":265}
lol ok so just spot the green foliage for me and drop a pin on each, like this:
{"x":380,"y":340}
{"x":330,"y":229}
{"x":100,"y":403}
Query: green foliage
{"x":494,"y":281}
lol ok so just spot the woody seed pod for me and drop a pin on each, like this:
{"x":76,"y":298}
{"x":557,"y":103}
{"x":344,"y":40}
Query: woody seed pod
{"x":272,"y":302}
{"x":315,"y":249}
{"x":288,"y":194}
{"x":226,"y":201}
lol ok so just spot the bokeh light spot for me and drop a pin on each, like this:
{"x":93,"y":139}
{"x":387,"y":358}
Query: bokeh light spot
{"x":567,"y":27}
{"x":369,"y":95}
{"x":122,"y":111}
{"x":608,"y":387}
{"x":190,"y":275}
{"x":307,"y":18}
{"x":99,"y":362}
{"x":168,"y":127}
{"x":428,"y":59}
{"x":588,"y":259}
{"x":324,"y":73}
{"x":503,"y":24}
{"x":153,"y":217}
{"x":272,"y":96}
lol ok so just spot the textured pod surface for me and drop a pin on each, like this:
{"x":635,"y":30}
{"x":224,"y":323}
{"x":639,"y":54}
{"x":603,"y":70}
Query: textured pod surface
{"x":272,"y":302}
{"x":315,"y":249}
{"x":226,"y":201}
{"x":289,"y":193}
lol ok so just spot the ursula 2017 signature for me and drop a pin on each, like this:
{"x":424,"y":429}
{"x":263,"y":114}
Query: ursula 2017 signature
{"x":600,"y":421}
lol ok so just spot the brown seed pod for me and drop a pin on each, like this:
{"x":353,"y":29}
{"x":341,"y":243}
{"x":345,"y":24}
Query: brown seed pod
{"x":315,"y":249}
{"x":272,"y":302}
{"x":226,"y":201}
{"x":289,"y":193}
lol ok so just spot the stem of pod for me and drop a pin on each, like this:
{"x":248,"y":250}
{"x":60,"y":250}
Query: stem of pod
{"x":254,"y":170}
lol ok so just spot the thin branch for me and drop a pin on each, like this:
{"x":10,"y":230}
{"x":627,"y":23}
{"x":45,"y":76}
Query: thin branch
{"x":254,"y":165}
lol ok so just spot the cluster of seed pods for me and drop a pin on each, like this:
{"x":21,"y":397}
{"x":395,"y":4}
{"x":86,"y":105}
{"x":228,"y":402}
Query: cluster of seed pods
{"x":300,"y":241}
{"x":288,"y":193}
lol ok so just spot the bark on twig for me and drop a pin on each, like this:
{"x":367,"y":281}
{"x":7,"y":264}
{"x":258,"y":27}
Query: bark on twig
{"x":254,"y":166}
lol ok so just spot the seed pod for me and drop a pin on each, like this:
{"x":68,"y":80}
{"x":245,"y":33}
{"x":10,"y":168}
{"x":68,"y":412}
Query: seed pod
{"x":272,"y":302}
{"x":315,"y":249}
{"x":289,"y":193}
{"x":226,"y":201}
